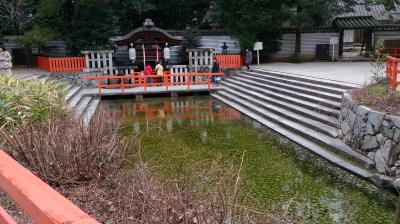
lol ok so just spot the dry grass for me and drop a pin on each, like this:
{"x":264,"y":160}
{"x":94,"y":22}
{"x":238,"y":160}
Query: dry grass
{"x":85,"y":164}
{"x":63,"y":151}
{"x":378,"y":97}
{"x":135,"y":196}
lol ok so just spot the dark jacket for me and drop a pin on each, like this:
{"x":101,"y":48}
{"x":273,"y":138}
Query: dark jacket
{"x":249,"y":57}
{"x":215,"y":67}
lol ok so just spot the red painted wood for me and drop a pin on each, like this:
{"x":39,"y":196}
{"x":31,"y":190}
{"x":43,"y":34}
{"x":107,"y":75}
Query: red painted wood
{"x":41,"y":202}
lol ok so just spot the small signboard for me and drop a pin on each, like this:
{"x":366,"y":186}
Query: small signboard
{"x":258,"y":46}
{"x":334,"y":40}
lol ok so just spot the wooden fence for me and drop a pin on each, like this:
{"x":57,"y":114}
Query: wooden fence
{"x":41,"y":202}
{"x":392,"y":70}
{"x":229,"y":60}
{"x":67,"y":64}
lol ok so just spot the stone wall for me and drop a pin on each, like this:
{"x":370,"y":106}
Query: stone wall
{"x":372,"y":133}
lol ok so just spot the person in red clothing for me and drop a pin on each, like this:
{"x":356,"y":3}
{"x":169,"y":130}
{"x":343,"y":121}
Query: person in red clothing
{"x":148,"y":70}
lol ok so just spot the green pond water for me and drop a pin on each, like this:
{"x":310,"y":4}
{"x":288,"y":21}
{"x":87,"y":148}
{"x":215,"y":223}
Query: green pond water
{"x":185,"y":134}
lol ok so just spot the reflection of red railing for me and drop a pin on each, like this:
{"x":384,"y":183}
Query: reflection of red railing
{"x":42,"y":203}
{"x":140,"y":80}
{"x":392,"y":70}
{"x":169,"y":111}
{"x":229,"y":60}
{"x":67,"y":64}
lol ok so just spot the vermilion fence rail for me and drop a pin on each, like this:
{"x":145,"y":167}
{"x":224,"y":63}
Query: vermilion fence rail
{"x":393,"y":52}
{"x":67,"y":64}
{"x":392,"y":70}
{"x":229,"y":60}
{"x":41,"y":202}
{"x":167,"y":80}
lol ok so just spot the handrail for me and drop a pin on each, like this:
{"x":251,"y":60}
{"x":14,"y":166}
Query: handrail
{"x":141,"y":80}
{"x":41,"y":202}
{"x":392,"y":70}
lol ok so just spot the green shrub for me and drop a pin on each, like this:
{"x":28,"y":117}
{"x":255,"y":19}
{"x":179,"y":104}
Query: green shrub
{"x":295,"y":58}
{"x":28,"y":101}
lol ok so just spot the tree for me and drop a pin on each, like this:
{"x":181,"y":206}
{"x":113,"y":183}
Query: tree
{"x":93,"y":26}
{"x":191,"y":38}
{"x":252,"y":20}
{"x":16,"y":15}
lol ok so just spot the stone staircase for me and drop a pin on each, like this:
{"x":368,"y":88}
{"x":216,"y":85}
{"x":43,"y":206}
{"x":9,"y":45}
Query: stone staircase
{"x":301,"y":108}
{"x":81,"y":105}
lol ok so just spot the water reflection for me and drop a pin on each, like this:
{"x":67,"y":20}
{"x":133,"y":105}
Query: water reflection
{"x":200,"y":128}
{"x":168,"y":112}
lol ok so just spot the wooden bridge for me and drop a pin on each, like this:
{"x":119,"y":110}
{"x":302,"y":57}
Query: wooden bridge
{"x":140,"y":84}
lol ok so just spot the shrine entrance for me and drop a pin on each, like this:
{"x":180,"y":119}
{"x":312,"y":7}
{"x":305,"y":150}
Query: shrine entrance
{"x":149,"y":43}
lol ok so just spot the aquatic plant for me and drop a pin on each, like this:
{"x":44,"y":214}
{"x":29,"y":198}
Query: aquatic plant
{"x":25,"y":101}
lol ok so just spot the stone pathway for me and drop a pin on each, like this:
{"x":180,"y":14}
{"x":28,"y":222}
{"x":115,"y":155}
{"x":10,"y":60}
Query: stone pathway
{"x":351,"y":72}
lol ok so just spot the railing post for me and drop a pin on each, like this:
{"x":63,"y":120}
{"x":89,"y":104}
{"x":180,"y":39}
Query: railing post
{"x":166,"y":81}
{"x":145,"y":83}
{"x":209,"y":81}
{"x":99,"y":86}
{"x":122,"y":84}
{"x":395,"y":70}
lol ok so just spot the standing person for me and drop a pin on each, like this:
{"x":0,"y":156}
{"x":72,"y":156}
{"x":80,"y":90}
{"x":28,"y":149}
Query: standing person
{"x":215,"y":69}
{"x":248,"y":59}
{"x":159,"y":69}
{"x":167,"y":54}
{"x":148,"y":70}
{"x":5,"y":62}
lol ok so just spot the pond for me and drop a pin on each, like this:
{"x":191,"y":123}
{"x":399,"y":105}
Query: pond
{"x":176,"y":133}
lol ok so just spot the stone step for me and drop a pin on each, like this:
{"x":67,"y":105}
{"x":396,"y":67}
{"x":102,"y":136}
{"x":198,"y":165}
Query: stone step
{"x":90,"y":110}
{"x":74,"y":100}
{"x":304,"y":90}
{"x":293,"y":82}
{"x":325,"y":141}
{"x":81,"y":106}
{"x":300,"y":110}
{"x":310,"y":145}
{"x":310,"y":79}
{"x":301,"y":120}
{"x":289,"y":93}
{"x":28,"y":77}
{"x":72,"y":92}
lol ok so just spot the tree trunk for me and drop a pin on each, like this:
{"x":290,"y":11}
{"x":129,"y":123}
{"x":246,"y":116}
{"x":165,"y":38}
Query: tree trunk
{"x":397,"y":218}
{"x":29,"y":56}
{"x":297,"y":48}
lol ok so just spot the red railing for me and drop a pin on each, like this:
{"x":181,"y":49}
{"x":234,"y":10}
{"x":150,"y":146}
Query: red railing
{"x":41,"y":202}
{"x":393,"y":52}
{"x":229,"y":60}
{"x":392,"y":70}
{"x":167,"y":80}
{"x":67,"y":64}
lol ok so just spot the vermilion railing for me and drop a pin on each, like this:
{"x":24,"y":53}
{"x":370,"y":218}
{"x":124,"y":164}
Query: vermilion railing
{"x":167,"y":80}
{"x":67,"y":64}
{"x":392,"y":70}
{"x":393,"y":52}
{"x":41,"y":202}
{"x":229,"y":60}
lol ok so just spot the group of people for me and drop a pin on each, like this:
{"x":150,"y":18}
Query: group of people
{"x":158,"y":70}
{"x":5,"y":62}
